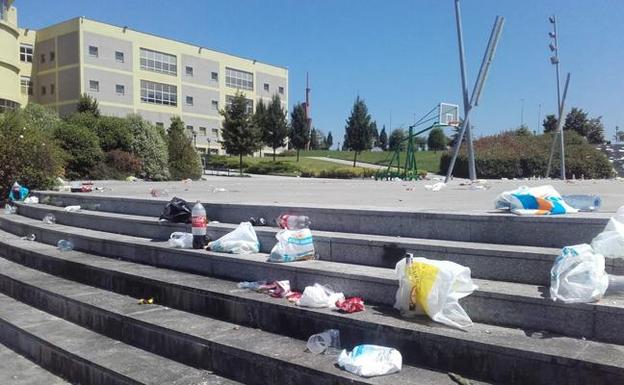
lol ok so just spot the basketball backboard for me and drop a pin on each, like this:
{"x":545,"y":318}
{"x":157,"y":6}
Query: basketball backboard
{"x":448,"y":114}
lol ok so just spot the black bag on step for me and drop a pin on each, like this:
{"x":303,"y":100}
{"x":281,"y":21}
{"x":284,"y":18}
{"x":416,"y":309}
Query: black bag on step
{"x":177,"y":210}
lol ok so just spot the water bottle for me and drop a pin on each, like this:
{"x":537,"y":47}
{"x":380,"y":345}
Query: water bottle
{"x":328,"y":342}
{"x":198,"y":220}
{"x":49,"y":219}
{"x":65,"y":245}
{"x":29,"y":237}
{"x":293,"y":222}
{"x":583,"y":202}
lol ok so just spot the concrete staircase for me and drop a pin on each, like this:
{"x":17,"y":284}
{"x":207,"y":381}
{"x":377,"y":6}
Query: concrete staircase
{"x":76,"y":313}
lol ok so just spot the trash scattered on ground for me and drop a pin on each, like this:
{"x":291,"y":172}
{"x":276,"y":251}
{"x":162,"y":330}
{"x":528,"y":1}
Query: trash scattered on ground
{"x":610,"y":242}
{"x":276,"y":289}
{"x":293,"y":222}
{"x":242,"y":240}
{"x":187,"y":180}
{"x":292,"y":245}
{"x":148,"y":301}
{"x":62,"y":185}
{"x":219,"y":190}
{"x":583,"y":202}
{"x":159,"y":192}
{"x":542,"y":200}
{"x":255,"y":285}
{"x":181,"y":240}
{"x":133,"y":179}
{"x":29,"y":237}
{"x":327,"y":342}
{"x":72,"y":209}
{"x":78,"y":187}
{"x":177,"y":210}
{"x":8,"y":209}
{"x":350,"y":305}
{"x":65,"y":245}
{"x":371,"y":360}
{"x":459,"y":379}
{"x":18,"y":193}
{"x":49,"y":219}
{"x":319,"y":296}
{"x":433,"y":287}
{"x":578,"y":275}
{"x":435,"y":187}
{"x":198,"y":225}
{"x":31,"y":200}
{"x":260,"y":221}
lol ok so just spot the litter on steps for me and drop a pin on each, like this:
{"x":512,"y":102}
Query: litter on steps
{"x":371,"y":360}
{"x":542,"y":200}
{"x":319,"y":296}
{"x":435,"y":187}
{"x":327,"y":342}
{"x":578,"y":275}
{"x":181,"y":240}
{"x":49,"y":219}
{"x":350,"y":305}
{"x":177,"y":210}
{"x":292,"y":245}
{"x":610,"y":242}
{"x":71,"y":209}
{"x":242,"y":240}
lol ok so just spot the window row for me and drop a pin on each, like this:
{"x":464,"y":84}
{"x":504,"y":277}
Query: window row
{"x":158,"y":62}
{"x":190,"y":101}
{"x":279,"y":89}
{"x":190,"y":72}
{"x":159,"y":93}
{"x":94,"y":51}
{"x":94,"y":86}
{"x":238,"y":79}
{"x":203,"y":131}
{"x":26,"y":53}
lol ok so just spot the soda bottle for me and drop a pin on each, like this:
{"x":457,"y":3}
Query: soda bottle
{"x":293,"y":222}
{"x":198,"y":215}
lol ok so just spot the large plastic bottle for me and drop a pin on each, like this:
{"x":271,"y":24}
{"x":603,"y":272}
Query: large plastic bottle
{"x":583,"y":202}
{"x":198,"y":215}
{"x":293,"y":222}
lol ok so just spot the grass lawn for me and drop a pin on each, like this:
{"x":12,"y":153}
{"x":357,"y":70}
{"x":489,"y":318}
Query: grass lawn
{"x":304,"y":163}
{"x":425,"y":160}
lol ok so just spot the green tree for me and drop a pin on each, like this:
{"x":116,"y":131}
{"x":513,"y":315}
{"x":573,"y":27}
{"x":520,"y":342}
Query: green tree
{"x":619,"y":135}
{"x":595,"y":131}
{"x":275,"y":129}
{"x":298,"y":133}
{"x":150,"y":146}
{"x":41,"y":117}
{"x":523,"y":130}
{"x":259,"y":119}
{"x":437,"y":140}
{"x":114,"y":133}
{"x":329,"y":140}
{"x":82,"y":147}
{"x":88,"y":104}
{"x":374,"y":135}
{"x":240,"y":136}
{"x":345,"y":143}
{"x":383,"y":139}
{"x":358,"y":129}
{"x":397,"y":140}
{"x":550,"y":123}
{"x":184,"y":161}
{"x":314,"y":139}
{"x":577,"y":120}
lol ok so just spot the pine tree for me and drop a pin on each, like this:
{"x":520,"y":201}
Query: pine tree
{"x":437,"y":140}
{"x":259,"y":119}
{"x":397,"y":140}
{"x":383,"y":139}
{"x":184,"y":161}
{"x":550,"y":123}
{"x":374,"y":135}
{"x":298,"y":134}
{"x":239,"y":135}
{"x":88,"y":104}
{"x":275,"y":129}
{"x":314,"y":139}
{"x":358,"y":129}
{"x":329,"y":140}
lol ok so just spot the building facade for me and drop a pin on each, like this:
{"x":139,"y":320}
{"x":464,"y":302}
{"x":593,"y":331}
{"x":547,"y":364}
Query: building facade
{"x":129,"y":72}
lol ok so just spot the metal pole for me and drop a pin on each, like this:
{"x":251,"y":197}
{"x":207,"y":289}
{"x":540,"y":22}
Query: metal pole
{"x":559,"y":132}
{"x":521,"y":112}
{"x":539,"y":117}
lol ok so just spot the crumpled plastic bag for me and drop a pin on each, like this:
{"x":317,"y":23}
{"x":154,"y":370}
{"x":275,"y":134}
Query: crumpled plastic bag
{"x":181,"y":240}
{"x":242,"y":240}
{"x":319,"y":296}
{"x":610,"y":242}
{"x":350,"y":305}
{"x":177,"y":210}
{"x":578,"y":275}
{"x":371,"y":360}
{"x":293,"y":245}
{"x":433,"y":288}
{"x":541,"y":200}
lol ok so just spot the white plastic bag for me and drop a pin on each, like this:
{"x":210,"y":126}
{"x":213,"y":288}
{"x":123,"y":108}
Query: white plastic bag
{"x":434,"y":288}
{"x":578,"y":275}
{"x":181,"y":240}
{"x":610,"y":242}
{"x":293,"y":245}
{"x":540,"y":200}
{"x":371,"y":360}
{"x":31,"y":200}
{"x":242,"y":240}
{"x":319,"y":296}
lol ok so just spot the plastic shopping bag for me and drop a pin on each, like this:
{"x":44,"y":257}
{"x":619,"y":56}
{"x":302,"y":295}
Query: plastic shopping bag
{"x":293,"y":245}
{"x":242,"y":240}
{"x":541,"y":200}
{"x":610,"y":242}
{"x":578,"y":275}
{"x":181,"y":240}
{"x":371,"y":360}
{"x":434,"y":288}
{"x":319,"y":296}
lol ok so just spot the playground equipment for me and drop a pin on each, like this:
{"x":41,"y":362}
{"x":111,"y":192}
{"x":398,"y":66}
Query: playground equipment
{"x":447,"y":116}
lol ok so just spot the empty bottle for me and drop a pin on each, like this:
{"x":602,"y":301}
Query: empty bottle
{"x":71,"y":209}
{"x":583,"y":202}
{"x":293,"y":222}
{"x":49,"y":219}
{"x":8,"y":209}
{"x":257,"y":221}
{"x":198,"y":220}
{"x":327,"y":341}
{"x":65,"y":245}
{"x":29,"y":237}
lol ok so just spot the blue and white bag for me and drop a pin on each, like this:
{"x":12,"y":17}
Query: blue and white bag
{"x":293,"y":245}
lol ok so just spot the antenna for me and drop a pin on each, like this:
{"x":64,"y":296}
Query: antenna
{"x":307,"y":111}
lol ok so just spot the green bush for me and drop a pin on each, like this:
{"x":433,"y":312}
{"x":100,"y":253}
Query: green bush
{"x":272,"y":168}
{"x":346,"y":173}
{"x":150,"y":147}
{"x":509,"y":155}
{"x":184,"y":161}
{"x":221,"y":161}
{"x":114,"y":133}
{"x":82,"y":149}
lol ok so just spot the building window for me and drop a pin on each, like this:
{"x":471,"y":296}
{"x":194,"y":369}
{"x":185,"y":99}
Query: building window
{"x":52,"y":56}
{"x":228,"y":103}
{"x":202,"y":131}
{"x":189,"y":71}
{"x":8,"y":105}
{"x":43,"y":90}
{"x":214,"y":76}
{"x":189,"y":100}
{"x":51,"y":89}
{"x":266,"y":87}
{"x":120,"y":89}
{"x":42,"y":58}
{"x":160,"y":124}
{"x":26,"y":85}
{"x":26,"y":53}
{"x":94,"y":85}
{"x":281,"y":90}
{"x":215,"y":132}
{"x":119,"y":57}
{"x":158,"y":62}
{"x":238,"y":79}
{"x":94,"y":51}
{"x":159,"y":93}
{"x":189,"y":129}
{"x":215,"y":104}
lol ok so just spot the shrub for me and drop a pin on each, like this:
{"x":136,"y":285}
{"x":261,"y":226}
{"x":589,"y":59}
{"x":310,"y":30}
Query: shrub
{"x":184,"y":160}
{"x":114,"y":133}
{"x":272,"y":168}
{"x":346,"y":173}
{"x":117,"y":165}
{"x":82,"y":149}
{"x":221,"y":161}
{"x":150,"y":147}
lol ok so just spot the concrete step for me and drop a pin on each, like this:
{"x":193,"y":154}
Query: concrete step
{"x":523,"y":264}
{"x":15,"y":369}
{"x":495,"y":302}
{"x":497,"y":354}
{"x":85,"y":357}
{"x":242,"y":353}
{"x":494,"y":227}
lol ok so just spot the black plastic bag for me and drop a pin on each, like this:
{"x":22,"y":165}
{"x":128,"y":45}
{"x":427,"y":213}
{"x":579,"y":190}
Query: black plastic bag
{"x":177,"y":211}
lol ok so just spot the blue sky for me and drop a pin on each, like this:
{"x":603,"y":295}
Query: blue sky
{"x":400,"y":55}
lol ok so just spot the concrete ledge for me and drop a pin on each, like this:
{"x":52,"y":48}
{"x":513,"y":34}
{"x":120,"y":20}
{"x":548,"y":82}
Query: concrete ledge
{"x":545,"y":231}
{"x":17,"y":370}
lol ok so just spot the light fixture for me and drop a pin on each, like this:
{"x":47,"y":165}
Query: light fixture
{"x":554,"y":60}
{"x":553,"y":48}
{"x":552,"y":34}
{"x":551,"y":19}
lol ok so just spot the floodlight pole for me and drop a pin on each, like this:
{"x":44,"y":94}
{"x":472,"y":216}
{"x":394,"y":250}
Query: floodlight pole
{"x":555,"y":60}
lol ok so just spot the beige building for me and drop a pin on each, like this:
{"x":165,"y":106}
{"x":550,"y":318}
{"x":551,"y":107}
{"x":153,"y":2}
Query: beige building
{"x":128,"y":72}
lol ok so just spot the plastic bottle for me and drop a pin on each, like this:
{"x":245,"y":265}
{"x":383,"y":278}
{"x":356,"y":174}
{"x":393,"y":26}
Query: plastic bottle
{"x":583,"y":202}
{"x":49,"y":219}
{"x":29,"y":237}
{"x":293,"y":222}
{"x":327,"y":341}
{"x":65,"y":245}
{"x":198,"y":220}
{"x":8,"y":209}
